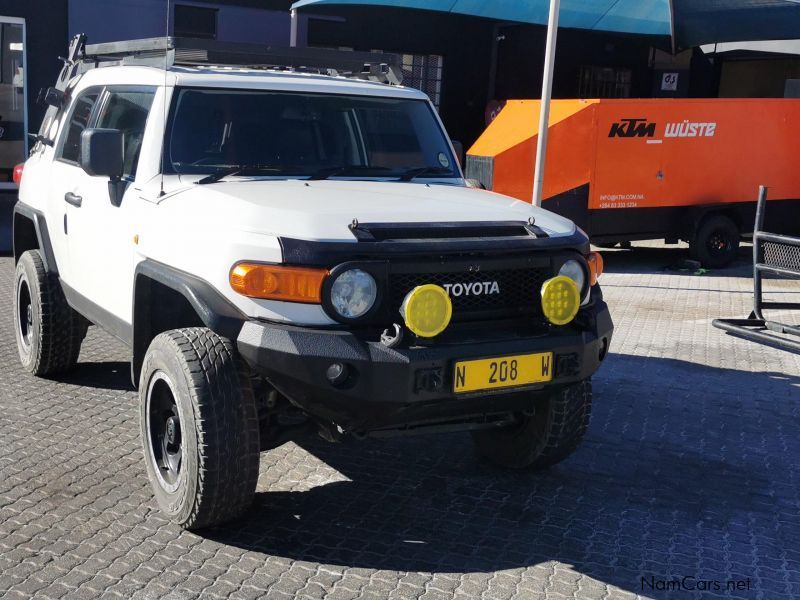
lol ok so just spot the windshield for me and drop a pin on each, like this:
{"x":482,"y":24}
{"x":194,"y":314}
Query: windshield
{"x":287,"y":134}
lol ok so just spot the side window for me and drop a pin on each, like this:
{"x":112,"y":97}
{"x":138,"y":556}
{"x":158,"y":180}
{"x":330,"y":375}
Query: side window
{"x":70,"y":150}
{"x":127,"y":111}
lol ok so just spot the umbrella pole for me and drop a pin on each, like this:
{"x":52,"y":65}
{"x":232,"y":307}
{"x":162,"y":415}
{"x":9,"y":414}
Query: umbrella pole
{"x":547,"y":90}
{"x":294,"y":26}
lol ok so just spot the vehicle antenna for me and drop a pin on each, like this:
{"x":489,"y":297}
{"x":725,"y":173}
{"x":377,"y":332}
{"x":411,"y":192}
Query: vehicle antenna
{"x":166,"y":69}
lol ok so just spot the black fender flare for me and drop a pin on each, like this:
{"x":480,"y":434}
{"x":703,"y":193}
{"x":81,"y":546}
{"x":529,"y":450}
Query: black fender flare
{"x":42,"y":234}
{"x":212,"y":308}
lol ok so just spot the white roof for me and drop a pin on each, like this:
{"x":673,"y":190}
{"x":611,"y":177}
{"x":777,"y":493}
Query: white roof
{"x":243,"y":78}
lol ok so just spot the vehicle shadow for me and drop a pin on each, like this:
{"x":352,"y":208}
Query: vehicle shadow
{"x":672,"y":260}
{"x":110,"y":375}
{"x":675,"y":465}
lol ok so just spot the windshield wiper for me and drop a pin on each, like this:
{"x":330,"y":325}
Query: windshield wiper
{"x":342,"y":170}
{"x":237,"y":170}
{"x":412,"y":174}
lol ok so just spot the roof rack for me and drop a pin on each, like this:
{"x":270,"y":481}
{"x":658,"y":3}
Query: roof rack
{"x":167,"y":52}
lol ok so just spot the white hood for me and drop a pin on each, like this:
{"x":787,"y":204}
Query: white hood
{"x":323,"y":210}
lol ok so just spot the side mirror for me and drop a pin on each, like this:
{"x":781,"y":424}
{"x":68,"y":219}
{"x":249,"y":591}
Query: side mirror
{"x":102,"y":155}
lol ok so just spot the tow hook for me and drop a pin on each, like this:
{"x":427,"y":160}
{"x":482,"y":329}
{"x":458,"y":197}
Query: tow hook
{"x":392,"y":340}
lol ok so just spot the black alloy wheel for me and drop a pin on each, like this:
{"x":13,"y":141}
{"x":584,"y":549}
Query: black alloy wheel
{"x":164,"y":430}
{"x":24,"y":315}
{"x":719,"y":242}
{"x":716,"y":243}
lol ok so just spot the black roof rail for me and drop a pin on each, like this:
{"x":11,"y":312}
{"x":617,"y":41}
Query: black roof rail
{"x":167,"y":52}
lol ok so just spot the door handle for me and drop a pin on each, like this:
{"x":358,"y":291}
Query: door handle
{"x":73,"y":199}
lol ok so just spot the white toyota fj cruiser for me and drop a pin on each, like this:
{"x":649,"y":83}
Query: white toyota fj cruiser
{"x":283,"y":248}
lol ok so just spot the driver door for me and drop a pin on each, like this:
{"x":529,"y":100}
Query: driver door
{"x":100,"y":235}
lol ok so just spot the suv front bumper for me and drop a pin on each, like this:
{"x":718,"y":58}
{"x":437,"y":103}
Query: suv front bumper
{"x":396,"y":388}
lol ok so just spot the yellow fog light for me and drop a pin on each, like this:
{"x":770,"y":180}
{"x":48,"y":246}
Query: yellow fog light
{"x":561,"y":300}
{"x":427,"y":310}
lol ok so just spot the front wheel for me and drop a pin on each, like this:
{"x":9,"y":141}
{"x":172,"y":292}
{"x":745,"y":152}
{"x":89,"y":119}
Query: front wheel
{"x":551,"y":434}
{"x":199,"y":428}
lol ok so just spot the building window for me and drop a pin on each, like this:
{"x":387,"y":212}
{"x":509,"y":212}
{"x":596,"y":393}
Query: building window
{"x":420,"y":71}
{"x":195,"y":22}
{"x":13,"y":107}
{"x":604,"y":82}
{"x":424,"y":72}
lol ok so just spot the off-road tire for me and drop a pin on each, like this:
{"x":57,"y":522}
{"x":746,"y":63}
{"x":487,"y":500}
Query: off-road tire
{"x":49,"y":332}
{"x":547,"y":437}
{"x":218,"y":427}
{"x":716,"y":242}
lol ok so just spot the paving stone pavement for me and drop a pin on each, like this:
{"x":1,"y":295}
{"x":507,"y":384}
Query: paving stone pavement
{"x":690,"y":468}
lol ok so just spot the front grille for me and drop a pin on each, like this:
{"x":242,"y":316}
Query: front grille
{"x":519,"y":291}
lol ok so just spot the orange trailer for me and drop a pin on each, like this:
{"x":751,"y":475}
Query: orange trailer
{"x":648,"y":169}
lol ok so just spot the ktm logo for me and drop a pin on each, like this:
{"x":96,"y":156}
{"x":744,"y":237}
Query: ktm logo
{"x":628,"y":128}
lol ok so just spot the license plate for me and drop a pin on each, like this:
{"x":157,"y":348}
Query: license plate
{"x":502,"y":372}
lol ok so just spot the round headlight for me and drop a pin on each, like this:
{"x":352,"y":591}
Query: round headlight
{"x":353,"y":293}
{"x":574,"y":270}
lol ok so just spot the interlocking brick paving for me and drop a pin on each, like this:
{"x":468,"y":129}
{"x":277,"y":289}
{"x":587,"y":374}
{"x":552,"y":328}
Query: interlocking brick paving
{"x":690,"y":468}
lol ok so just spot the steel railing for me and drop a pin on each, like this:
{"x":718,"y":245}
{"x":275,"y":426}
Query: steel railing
{"x":776,"y":255}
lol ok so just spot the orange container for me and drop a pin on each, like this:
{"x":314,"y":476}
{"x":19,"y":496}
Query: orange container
{"x":645,"y":169}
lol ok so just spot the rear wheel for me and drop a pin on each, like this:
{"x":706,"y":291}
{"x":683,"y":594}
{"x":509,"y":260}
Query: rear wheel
{"x":199,"y":428}
{"x":716,"y":242}
{"x":49,"y":332}
{"x":547,"y":437}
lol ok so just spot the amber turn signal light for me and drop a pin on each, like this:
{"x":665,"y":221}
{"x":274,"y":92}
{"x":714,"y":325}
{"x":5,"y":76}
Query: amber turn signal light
{"x":277,"y":282}
{"x":595,"y":260}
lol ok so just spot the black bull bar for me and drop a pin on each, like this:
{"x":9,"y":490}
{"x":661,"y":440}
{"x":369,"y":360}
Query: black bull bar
{"x":776,"y":255}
